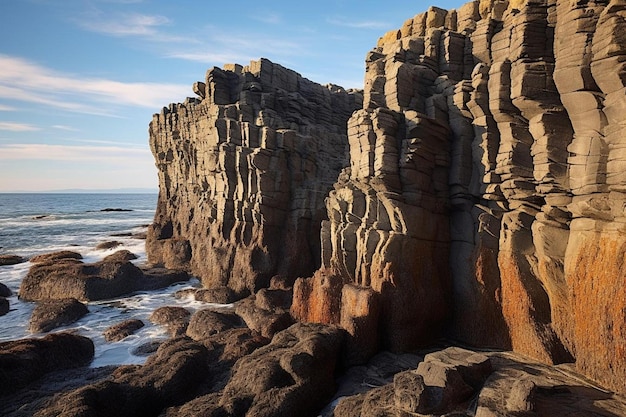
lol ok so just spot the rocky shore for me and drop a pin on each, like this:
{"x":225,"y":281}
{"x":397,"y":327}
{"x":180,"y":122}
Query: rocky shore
{"x":446,"y":242}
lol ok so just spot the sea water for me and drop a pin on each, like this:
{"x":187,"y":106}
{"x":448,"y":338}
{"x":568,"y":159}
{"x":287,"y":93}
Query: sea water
{"x":32,"y":224}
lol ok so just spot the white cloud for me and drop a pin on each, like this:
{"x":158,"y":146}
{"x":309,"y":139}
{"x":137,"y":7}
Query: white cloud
{"x":118,"y":155}
{"x":6,"y":108}
{"x":131,"y":24}
{"x":64,"y":127}
{"x":29,"y":82}
{"x":18,"y":127}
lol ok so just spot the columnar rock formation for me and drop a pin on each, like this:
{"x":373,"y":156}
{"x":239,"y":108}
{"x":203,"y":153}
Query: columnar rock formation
{"x":487,"y":160}
{"x":243,"y":172}
{"x":482,"y":199}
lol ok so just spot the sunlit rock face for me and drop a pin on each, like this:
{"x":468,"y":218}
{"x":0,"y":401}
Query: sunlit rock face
{"x":243,"y":172}
{"x":475,"y":190}
{"x":486,"y":186}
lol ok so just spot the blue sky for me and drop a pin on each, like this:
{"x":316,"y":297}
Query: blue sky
{"x":80,"y":79}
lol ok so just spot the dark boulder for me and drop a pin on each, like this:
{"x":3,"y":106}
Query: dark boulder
{"x":51,"y":314}
{"x":121,"y":330}
{"x":173,"y":317}
{"x":120,"y":255}
{"x":11,"y":260}
{"x":205,"y":323}
{"x":108,"y":245}
{"x":219,"y":295}
{"x":169,"y":377}
{"x":292,"y":376}
{"x":4,"y":306}
{"x":5,"y":291}
{"x":56,"y":256}
{"x":267,"y":322}
{"x":70,"y":278}
{"x":25,"y":360}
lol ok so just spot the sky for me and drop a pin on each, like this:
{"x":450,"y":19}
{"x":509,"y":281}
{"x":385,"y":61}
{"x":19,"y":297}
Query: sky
{"x":81,"y":79}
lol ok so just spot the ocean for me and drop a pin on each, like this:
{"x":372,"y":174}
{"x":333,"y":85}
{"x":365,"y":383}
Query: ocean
{"x":32,"y":224}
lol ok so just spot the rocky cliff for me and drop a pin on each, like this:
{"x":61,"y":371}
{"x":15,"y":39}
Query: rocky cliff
{"x":482,"y":196}
{"x":243,"y":171}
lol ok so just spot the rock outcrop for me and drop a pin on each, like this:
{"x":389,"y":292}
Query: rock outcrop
{"x":243,"y":171}
{"x":481,"y":199}
{"x":24,"y":361}
{"x":63,"y":275}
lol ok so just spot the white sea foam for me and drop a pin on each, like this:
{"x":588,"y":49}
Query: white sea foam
{"x":81,"y":230}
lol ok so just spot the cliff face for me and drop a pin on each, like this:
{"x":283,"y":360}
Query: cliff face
{"x":482,"y":197}
{"x":243,"y":172}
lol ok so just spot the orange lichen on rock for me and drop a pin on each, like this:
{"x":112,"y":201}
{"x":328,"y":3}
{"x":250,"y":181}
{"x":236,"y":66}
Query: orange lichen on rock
{"x":597,"y":279}
{"x":317,"y":299}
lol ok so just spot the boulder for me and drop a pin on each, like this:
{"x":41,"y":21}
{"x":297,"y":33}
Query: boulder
{"x":205,"y":323}
{"x":266,"y":322}
{"x":293,"y":375}
{"x":120,"y":331}
{"x":11,"y":260}
{"x":4,"y":306}
{"x":108,"y":245}
{"x":25,"y":360}
{"x":168,"y":377}
{"x":5,"y":291}
{"x":71,"y":278}
{"x":220,"y":295}
{"x":120,"y":255}
{"x":174,"y":318}
{"x":55,"y":256}
{"x":49,"y":315}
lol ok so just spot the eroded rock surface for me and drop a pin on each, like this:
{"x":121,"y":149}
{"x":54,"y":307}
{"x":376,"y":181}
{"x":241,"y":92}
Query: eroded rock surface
{"x":486,"y":183}
{"x":64,"y":275}
{"x":482,"y":196}
{"x":243,"y":171}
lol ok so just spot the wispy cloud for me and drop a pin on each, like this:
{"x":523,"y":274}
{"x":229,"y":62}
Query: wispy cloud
{"x":26,"y":81}
{"x":367,"y":24}
{"x":145,"y":26}
{"x":267,"y":17}
{"x":64,"y":127}
{"x":100,"y":154}
{"x":18,"y":127}
{"x":4,"y":107}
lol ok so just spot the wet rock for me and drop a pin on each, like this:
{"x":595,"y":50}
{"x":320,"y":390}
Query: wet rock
{"x":5,"y":291}
{"x":70,"y":278}
{"x":121,"y":330}
{"x":49,"y":315}
{"x":120,"y":255}
{"x":56,"y":256}
{"x":168,"y":377}
{"x":108,"y":245}
{"x":23,"y":361}
{"x":147,"y":349}
{"x":11,"y":260}
{"x":4,"y":306}
{"x":174,"y":318}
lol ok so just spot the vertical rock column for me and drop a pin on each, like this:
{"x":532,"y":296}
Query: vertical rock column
{"x":594,"y":269}
{"x":243,"y":172}
{"x":385,"y":246}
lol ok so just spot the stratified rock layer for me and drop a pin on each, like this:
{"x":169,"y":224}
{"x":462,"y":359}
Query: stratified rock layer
{"x":243,"y":172}
{"x":482,"y":197}
{"x":486,"y":181}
